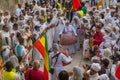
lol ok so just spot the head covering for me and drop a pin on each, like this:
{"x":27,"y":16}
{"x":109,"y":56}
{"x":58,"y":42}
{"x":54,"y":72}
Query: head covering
{"x":85,"y":18}
{"x":78,"y":72}
{"x":55,"y":47}
{"x":67,"y":21}
{"x":14,"y":60}
{"x":77,"y":18}
{"x":108,"y":29}
{"x":37,"y":26}
{"x":96,"y":67}
{"x":95,"y":59}
{"x":107,"y":8}
{"x":103,"y":77}
{"x":98,"y":27}
{"x":107,"y":52}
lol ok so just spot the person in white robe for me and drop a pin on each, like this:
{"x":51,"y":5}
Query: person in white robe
{"x":107,"y":13}
{"x":50,"y":33}
{"x":27,"y":37}
{"x":18,"y":10}
{"x":21,"y":21}
{"x":69,"y":29}
{"x":12,"y":21}
{"x":105,"y":46}
{"x":86,"y":47}
{"x":76,"y":24}
{"x":7,"y":16}
{"x":6,"y":42}
{"x":104,"y":77}
{"x":36,"y":32}
{"x":113,"y":3}
{"x":13,"y":34}
{"x":57,"y":61}
{"x":78,"y":73}
{"x":21,"y":52}
{"x":37,"y":7}
{"x":92,"y":73}
{"x":59,"y":27}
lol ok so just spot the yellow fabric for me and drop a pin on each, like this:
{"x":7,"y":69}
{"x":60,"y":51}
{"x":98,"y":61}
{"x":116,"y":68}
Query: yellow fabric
{"x":45,"y":18}
{"x":1,"y":63}
{"x":1,"y":68}
{"x":99,"y":3}
{"x":46,"y":59}
{"x":60,"y":7}
{"x":111,"y":27}
{"x":81,"y":13}
{"x":90,"y":43}
{"x":8,"y":75}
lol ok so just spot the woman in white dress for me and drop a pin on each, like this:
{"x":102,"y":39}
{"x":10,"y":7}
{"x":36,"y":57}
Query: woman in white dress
{"x":76,"y":24}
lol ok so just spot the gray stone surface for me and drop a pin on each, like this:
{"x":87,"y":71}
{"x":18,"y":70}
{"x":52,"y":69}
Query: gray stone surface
{"x":77,"y":61}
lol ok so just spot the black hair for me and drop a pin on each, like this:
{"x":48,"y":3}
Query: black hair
{"x":63,"y":75}
{"x":98,"y":27}
{"x":21,"y":40}
{"x":15,"y":25}
{"x":8,"y":66}
{"x":91,"y":12}
{"x":115,"y":60}
{"x":4,"y":27}
{"x":102,"y":16}
{"x":105,"y":62}
{"x":83,"y":4}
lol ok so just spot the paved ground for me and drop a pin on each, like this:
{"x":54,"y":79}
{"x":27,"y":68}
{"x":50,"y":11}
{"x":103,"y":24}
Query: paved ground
{"x":77,"y":61}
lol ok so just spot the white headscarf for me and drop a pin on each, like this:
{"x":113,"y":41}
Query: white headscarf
{"x":78,"y":21}
{"x":107,"y":52}
{"x":96,"y":67}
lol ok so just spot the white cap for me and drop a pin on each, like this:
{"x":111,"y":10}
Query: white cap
{"x":108,"y":8}
{"x":96,"y":67}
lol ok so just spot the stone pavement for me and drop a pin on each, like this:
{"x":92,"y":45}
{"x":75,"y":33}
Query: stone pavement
{"x":77,"y":61}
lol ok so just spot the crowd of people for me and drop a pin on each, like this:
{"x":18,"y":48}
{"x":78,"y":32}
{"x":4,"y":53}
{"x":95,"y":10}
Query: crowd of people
{"x":96,"y":29}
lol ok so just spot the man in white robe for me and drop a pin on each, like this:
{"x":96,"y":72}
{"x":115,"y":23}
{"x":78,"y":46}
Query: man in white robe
{"x":57,"y":59}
